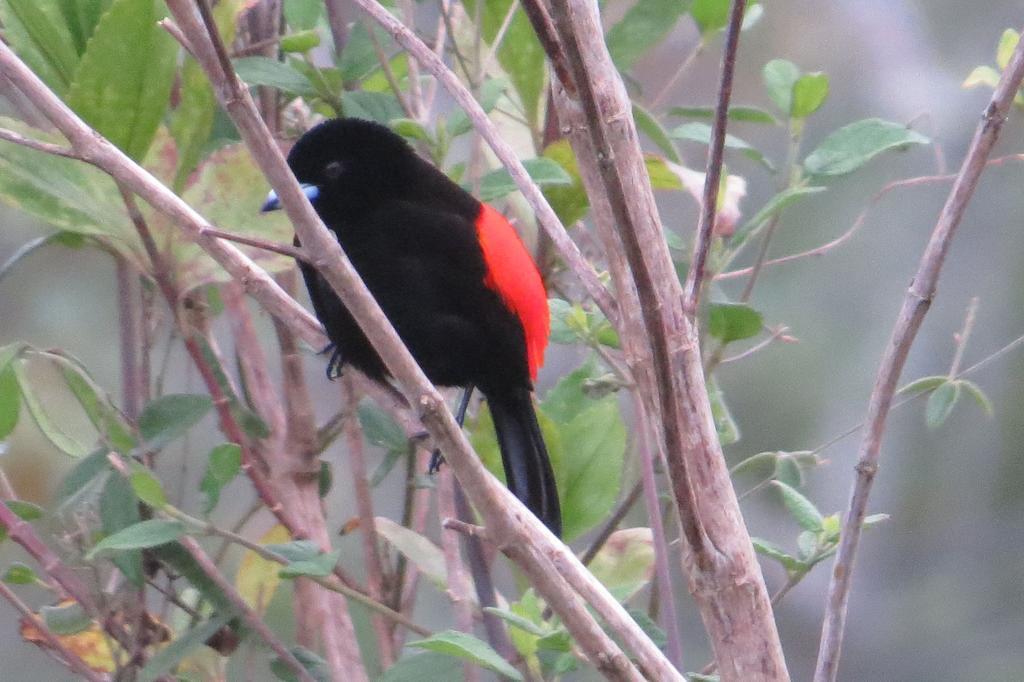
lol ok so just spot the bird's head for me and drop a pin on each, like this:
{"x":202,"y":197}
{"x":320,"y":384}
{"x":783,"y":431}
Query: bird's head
{"x":348,"y":164}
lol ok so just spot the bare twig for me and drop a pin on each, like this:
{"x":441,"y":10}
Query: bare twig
{"x":367,"y":527}
{"x":663,"y":586}
{"x":458,"y":580}
{"x":251,"y":618}
{"x":38,"y":145}
{"x":963,"y":336}
{"x":859,"y":222}
{"x":295,"y":252}
{"x":712,"y":177}
{"x":915,"y":306}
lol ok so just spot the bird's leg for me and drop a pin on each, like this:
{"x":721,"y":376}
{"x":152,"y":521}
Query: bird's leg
{"x":335,"y":363}
{"x":437,"y":459}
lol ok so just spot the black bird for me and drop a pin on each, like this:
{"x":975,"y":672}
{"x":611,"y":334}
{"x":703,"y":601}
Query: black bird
{"x":450,"y":273}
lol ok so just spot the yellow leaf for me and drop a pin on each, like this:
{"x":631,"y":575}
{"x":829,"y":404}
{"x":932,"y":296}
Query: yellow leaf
{"x":257,"y":578}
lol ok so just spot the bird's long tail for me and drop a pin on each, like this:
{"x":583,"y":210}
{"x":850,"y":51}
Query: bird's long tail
{"x":524,"y":456}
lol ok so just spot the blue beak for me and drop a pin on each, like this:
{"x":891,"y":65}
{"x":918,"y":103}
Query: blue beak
{"x":273,"y":203}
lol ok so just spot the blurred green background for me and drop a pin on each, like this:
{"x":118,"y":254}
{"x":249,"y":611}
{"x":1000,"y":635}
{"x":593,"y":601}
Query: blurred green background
{"x":939,"y":589}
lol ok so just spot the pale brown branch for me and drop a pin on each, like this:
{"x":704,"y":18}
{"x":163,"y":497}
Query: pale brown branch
{"x":915,"y":305}
{"x":662,"y":350}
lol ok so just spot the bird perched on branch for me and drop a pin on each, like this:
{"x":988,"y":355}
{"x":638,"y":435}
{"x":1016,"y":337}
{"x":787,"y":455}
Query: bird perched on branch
{"x":450,"y":273}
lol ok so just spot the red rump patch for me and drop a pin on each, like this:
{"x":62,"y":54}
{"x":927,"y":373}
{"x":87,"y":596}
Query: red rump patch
{"x":512,"y":273}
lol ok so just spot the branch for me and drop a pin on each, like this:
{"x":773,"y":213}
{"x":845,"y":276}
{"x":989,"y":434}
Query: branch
{"x":53,"y":641}
{"x":251,"y":618}
{"x":915,"y":305}
{"x":663,"y":350}
{"x":712,"y":177}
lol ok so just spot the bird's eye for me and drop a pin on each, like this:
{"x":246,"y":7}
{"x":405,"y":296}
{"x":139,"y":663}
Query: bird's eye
{"x":333,"y":170}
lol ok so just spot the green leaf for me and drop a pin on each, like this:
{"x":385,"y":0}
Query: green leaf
{"x":807,"y":545}
{"x":1007,"y":44}
{"x":54,"y":433}
{"x":313,"y":664}
{"x":788,"y":471}
{"x":728,"y":431}
{"x":941,"y":403}
{"x":427,"y":556}
{"x":301,"y":41}
{"x":192,"y":121}
{"x":625,"y":563}
{"x":41,"y":38}
{"x":150,"y":533}
{"x":979,"y":396}
{"x":809,"y":92}
{"x":20,"y":574}
{"x":981,"y":75}
{"x":170,"y":417}
{"x":65,"y":619}
{"x":780,"y":76}
{"x":490,"y":92}
{"x":85,"y":477}
{"x":305,"y":558}
{"x":738,"y":114}
{"x":802,"y":509}
{"x":649,"y":125}
{"x":167,"y":658}
{"x":650,"y":628}
{"x":410,"y":129}
{"x":81,"y":18}
{"x":569,"y":202}
{"x":426,"y":666}
{"x":701,"y":132}
{"x":469,"y":648}
{"x":874,"y":519}
{"x":10,"y":401}
{"x":122,"y":86}
{"x":303,"y":14}
{"x":730,"y":322}
{"x":223,"y":464}
{"x":66,"y":194}
{"x":385,"y":466}
{"x":542,"y":170}
{"x":772,"y":551}
{"x":520,"y":54}
{"x":645,"y":25}
{"x":852,"y":146}
{"x":320,"y":565}
{"x":113,"y":427}
{"x":923,"y":385}
{"x":515,"y":620}
{"x":228,"y":188}
{"x":776,"y":205}
{"x":147,"y":488}
{"x":381,"y":107}
{"x":380,"y":429}
{"x":762,"y":461}
{"x":119,"y":509}
{"x":272,"y":73}
{"x":710,"y":15}
{"x":26,"y":511}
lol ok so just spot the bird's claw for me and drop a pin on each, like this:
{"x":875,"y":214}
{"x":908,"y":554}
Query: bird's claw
{"x":334,"y":365}
{"x":436,"y":461}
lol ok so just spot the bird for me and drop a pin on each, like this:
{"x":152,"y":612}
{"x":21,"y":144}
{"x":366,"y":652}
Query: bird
{"x":450,"y":273}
